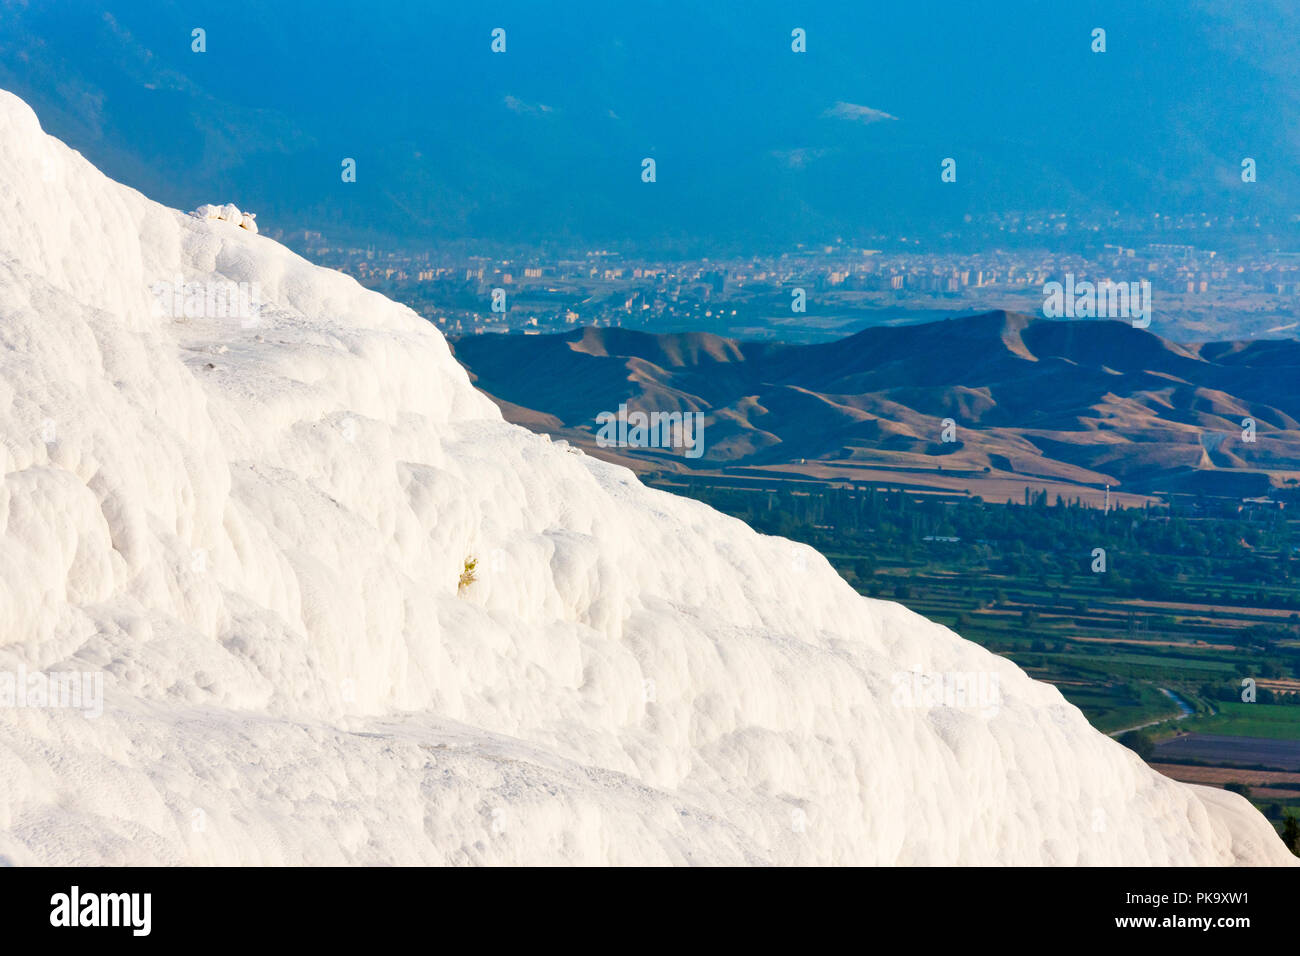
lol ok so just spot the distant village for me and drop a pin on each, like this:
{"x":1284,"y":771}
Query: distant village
{"x":1201,"y":292}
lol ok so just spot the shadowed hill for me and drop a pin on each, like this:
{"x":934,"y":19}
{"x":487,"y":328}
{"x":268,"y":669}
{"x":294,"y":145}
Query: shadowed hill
{"x":1088,"y":402}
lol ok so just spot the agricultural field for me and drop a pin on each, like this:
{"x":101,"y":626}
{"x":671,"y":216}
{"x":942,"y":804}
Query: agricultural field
{"x":1269,"y":721}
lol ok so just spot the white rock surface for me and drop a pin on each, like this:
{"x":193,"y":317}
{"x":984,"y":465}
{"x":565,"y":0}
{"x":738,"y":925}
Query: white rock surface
{"x":229,"y":213}
{"x":256,"y":535}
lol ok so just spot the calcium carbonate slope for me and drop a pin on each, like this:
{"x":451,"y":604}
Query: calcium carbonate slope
{"x":254,"y":531}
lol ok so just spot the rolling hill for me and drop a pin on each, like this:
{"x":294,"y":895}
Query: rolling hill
{"x":1055,"y":403}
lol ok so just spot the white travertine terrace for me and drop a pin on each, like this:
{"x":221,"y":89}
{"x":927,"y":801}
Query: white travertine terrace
{"x":255,"y":531}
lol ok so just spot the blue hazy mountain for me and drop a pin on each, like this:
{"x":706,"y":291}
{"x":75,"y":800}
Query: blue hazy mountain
{"x":754,"y":144}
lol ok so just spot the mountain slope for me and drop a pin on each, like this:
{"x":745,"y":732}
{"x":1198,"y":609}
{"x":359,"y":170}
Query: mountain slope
{"x":254,"y":531}
{"x":1089,"y":402}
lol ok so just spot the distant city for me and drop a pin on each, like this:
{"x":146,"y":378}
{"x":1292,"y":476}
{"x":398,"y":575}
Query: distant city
{"x":1213,"y":279}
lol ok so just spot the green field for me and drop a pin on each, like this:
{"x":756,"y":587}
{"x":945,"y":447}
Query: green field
{"x":1251,"y":720}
